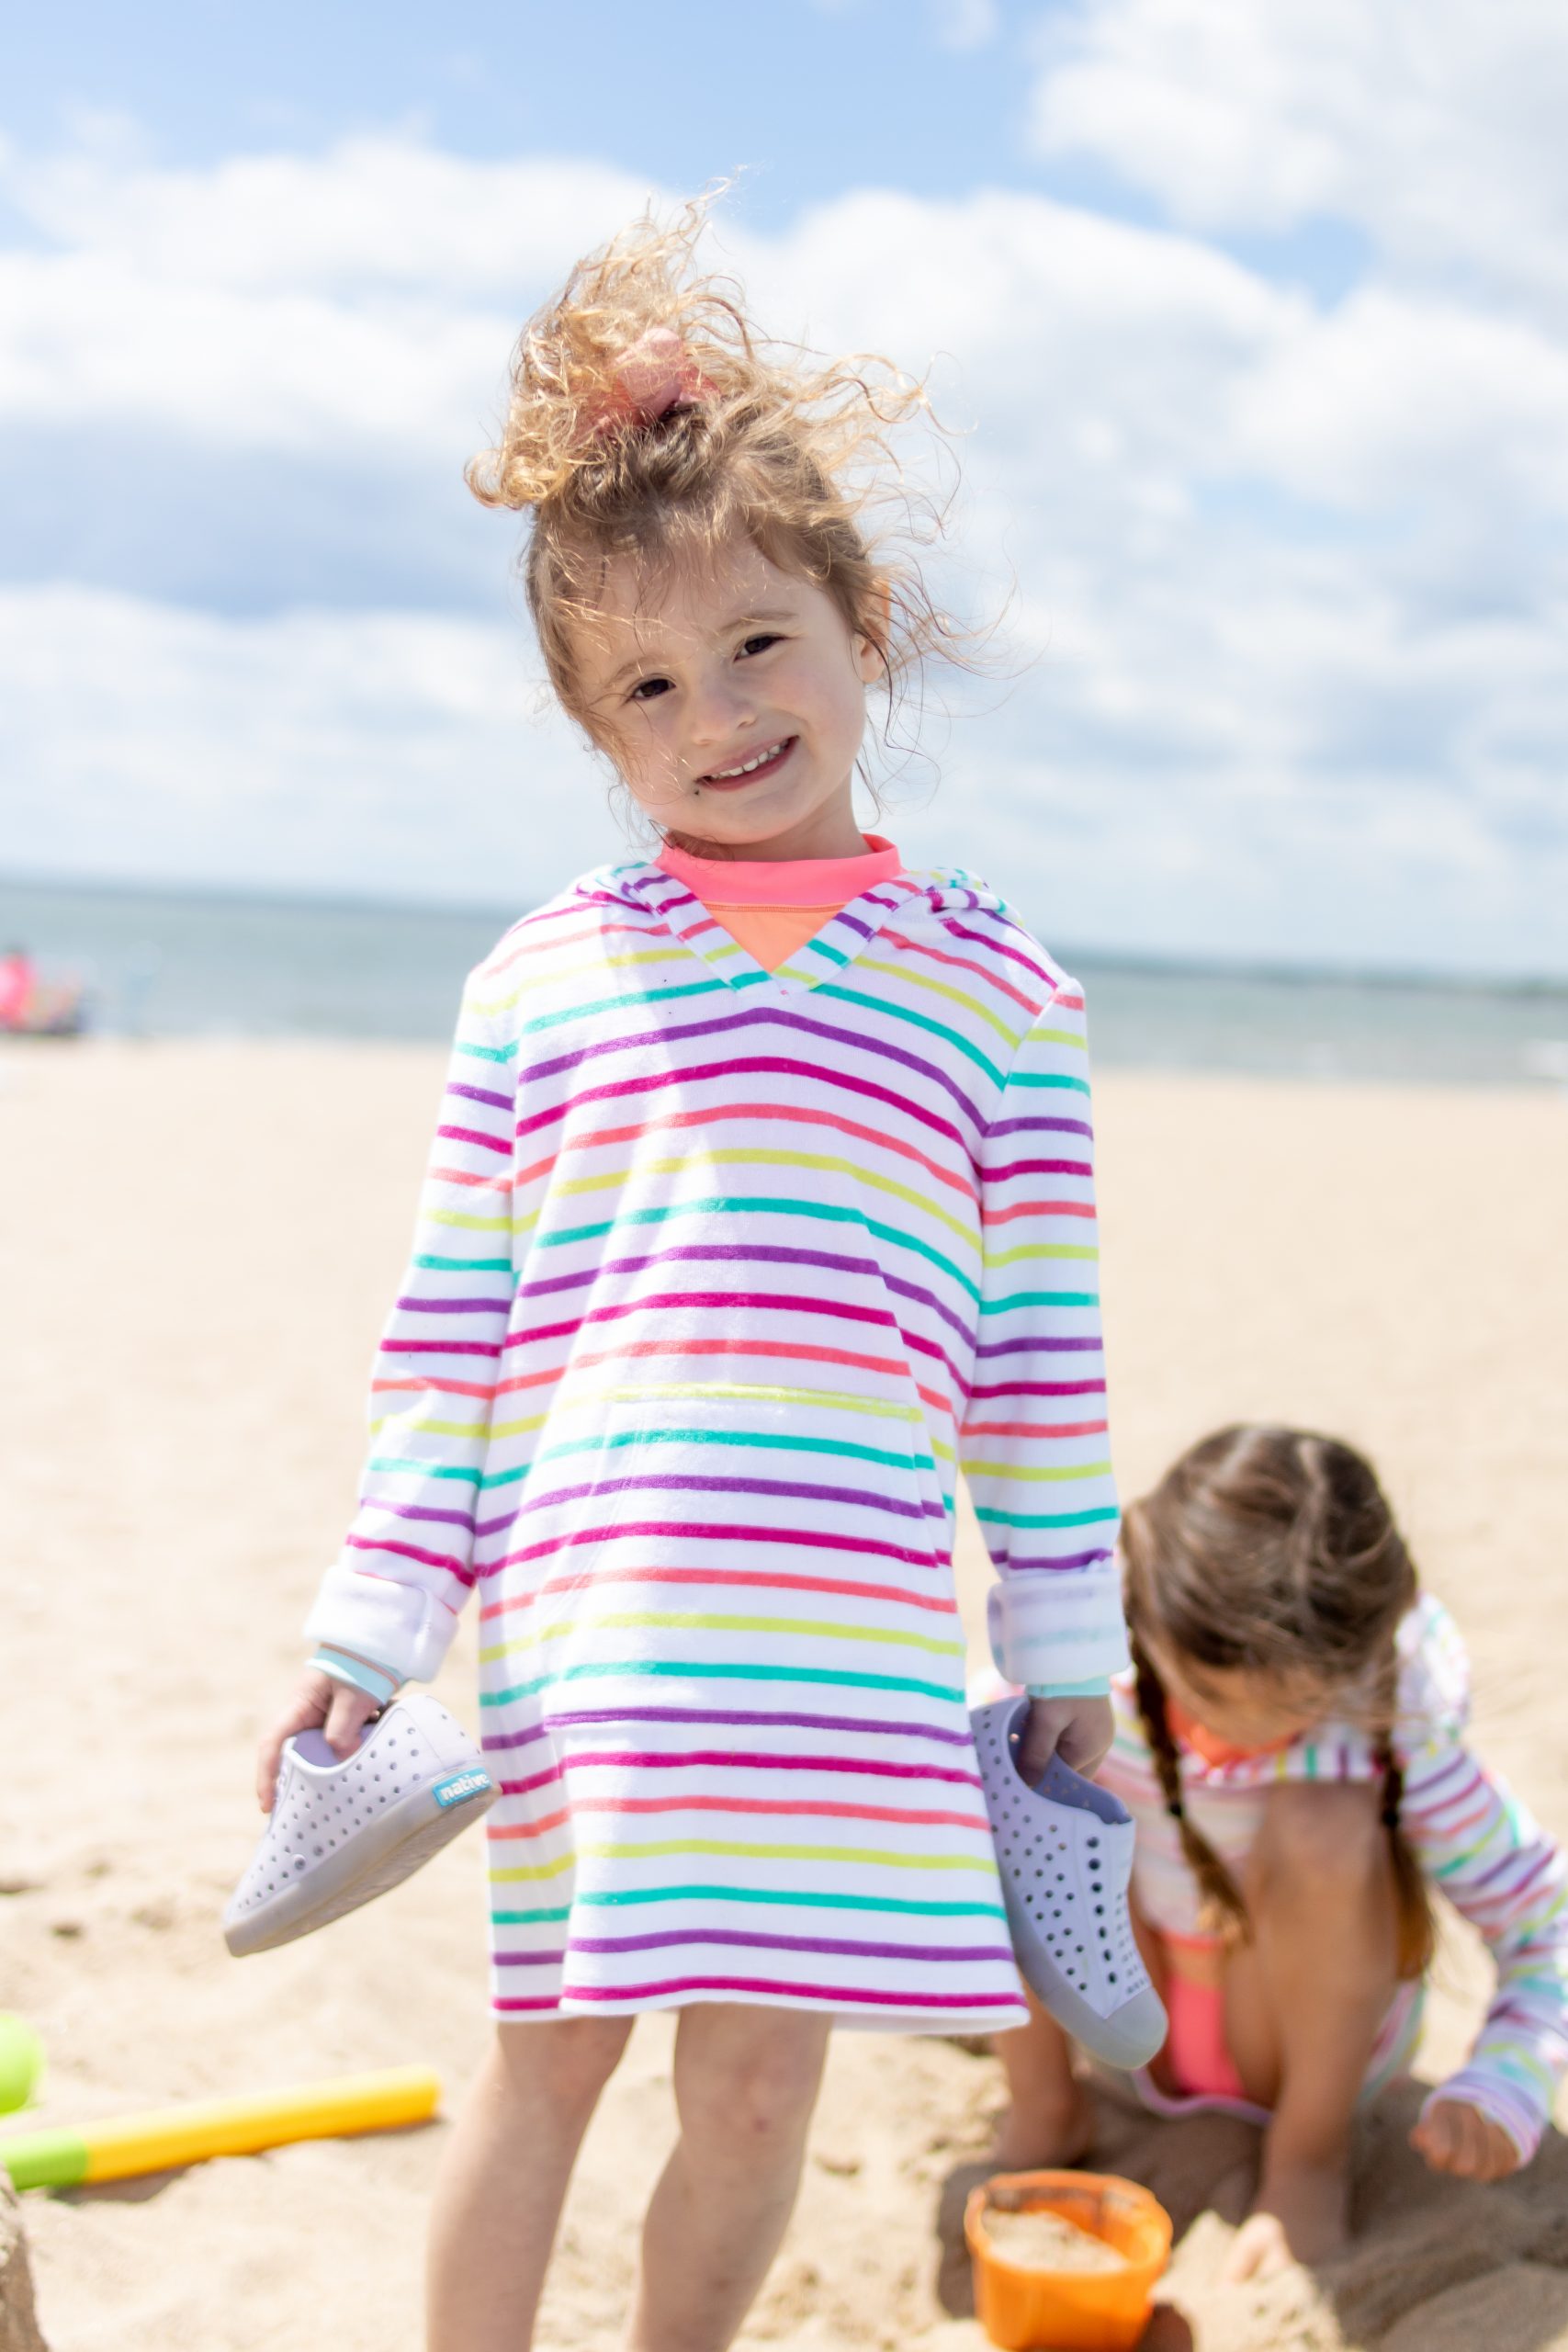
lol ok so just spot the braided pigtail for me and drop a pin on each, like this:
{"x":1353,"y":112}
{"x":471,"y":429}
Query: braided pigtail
{"x":1224,"y":1912}
{"x":1414,"y":1929}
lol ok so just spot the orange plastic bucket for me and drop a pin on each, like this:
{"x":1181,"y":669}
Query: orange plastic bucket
{"x":1029,"y":2309}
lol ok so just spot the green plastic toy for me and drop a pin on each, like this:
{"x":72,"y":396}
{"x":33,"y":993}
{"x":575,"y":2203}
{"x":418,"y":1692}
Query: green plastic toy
{"x":21,"y":2062}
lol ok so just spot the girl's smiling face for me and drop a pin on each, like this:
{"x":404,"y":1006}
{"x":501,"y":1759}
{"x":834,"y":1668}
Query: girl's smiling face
{"x":731,"y":696}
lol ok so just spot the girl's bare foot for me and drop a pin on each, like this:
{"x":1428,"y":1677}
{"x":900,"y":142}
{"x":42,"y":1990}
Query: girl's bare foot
{"x":1300,"y":2215}
{"x":1046,"y":2133}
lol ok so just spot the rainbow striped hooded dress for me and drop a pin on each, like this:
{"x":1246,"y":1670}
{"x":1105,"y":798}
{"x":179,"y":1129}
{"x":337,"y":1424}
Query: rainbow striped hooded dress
{"x":721,"y":1276}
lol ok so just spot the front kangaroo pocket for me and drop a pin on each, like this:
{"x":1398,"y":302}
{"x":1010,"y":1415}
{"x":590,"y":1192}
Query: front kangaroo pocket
{"x":705,"y":1523}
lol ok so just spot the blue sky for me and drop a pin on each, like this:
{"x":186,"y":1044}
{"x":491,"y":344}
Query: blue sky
{"x":825,"y":98}
{"x":807,"y":100}
{"x":1260,"y":319}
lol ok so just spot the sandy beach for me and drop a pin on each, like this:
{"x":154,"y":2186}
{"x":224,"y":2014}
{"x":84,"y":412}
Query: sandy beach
{"x":182,"y":1381}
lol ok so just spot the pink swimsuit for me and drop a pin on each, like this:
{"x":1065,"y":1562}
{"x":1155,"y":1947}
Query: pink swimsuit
{"x":1196,"y":2049}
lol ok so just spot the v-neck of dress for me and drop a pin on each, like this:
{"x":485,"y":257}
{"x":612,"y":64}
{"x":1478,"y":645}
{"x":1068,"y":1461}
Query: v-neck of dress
{"x":844,"y":933}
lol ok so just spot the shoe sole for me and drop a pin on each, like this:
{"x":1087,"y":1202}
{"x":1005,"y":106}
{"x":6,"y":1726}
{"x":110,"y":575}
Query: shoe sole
{"x":377,"y":1858}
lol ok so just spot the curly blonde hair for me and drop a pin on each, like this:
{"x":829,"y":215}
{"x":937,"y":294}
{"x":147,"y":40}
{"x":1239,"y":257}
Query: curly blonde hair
{"x":762,"y":442}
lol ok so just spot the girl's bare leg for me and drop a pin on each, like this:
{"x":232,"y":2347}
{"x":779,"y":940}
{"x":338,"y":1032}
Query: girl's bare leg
{"x":746,"y":2082}
{"x":504,"y":2175}
{"x":1048,"y":2121}
{"x":1303,"y":2002}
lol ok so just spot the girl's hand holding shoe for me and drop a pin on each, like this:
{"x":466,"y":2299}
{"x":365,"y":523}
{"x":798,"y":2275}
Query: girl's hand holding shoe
{"x":1077,"y":1730}
{"x":1455,"y":2137}
{"x":339,"y":1709}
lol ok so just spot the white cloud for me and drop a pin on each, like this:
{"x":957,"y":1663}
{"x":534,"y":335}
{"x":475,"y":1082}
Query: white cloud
{"x":1389,"y":400}
{"x":367,"y":296}
{"x":89,"y":338}
{"x":1039,"y":304}
{"x":366,"y":216}
{"x":1294,"y":576}
{"x":1436,"y":125}
{"x":373,"y":753}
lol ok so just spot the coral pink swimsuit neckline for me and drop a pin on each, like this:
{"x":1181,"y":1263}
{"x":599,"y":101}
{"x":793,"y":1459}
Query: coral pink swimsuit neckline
{"x":823,"y":882}
{"x":773,"y":907}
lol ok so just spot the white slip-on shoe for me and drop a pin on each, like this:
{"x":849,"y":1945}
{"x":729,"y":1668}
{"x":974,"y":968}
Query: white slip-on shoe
{"x":1064,"y":1855}
{"x":344,"y":1829}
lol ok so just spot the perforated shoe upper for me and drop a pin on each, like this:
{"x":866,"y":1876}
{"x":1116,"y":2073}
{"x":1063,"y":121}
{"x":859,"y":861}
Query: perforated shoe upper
{"x":324,"y":1800}
{"x":1064,"y":1853}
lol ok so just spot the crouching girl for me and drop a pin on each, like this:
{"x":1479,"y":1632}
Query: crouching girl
{"x":1291,"y":1743}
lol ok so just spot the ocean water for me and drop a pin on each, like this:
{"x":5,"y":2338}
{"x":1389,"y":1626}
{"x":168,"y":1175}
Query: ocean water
{"x":167,"y":964}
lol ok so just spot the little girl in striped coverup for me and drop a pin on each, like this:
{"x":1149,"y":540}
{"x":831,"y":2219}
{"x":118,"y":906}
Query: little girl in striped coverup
{"x":1290,"y":1745}
{"x":760,"y":1203}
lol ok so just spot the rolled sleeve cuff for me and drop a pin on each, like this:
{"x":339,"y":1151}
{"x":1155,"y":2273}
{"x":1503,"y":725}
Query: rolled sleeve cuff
{"x":1097,"y":1687}
{"x":1498,"y":2100}
{"x":380,"y":1684}
{"x":364,"y":1615}
{"x":1056,"y":1629}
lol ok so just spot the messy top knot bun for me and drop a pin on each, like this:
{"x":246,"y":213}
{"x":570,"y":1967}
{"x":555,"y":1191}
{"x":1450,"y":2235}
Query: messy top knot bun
{"x":647,"y":418}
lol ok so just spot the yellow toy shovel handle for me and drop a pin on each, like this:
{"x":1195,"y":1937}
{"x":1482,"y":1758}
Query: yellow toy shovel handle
{"x":220,"y":2127}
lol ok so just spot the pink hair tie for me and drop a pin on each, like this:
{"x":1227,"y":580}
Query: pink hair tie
{"x":654,"y":375}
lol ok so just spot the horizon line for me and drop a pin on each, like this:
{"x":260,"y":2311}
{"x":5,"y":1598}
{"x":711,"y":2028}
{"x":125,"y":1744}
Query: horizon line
{"x":1164,"y":963}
